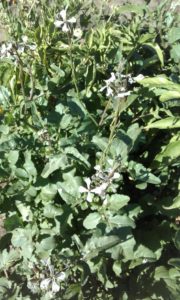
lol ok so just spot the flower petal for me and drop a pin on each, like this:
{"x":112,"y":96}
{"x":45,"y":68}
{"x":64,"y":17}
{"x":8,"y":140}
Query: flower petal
{"x":61,"y":276}
{"x":65,"y":28}
{"x":72,"y":20}
{"x":100,"y":189}
{"x":83,"y":189}
{"x":89,"y":197}
{"x":63,"y":14}
{"x":58,"y":23}
{"x":44,"y":285}
{"x":55,"y":287}
{"x":88,"y":182}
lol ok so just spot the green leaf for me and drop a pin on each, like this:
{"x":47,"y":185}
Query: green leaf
{"x":175,"y":53}
{"x":173,"y":35}
{"x":117,"y":267}
{"x":7,"y":259}
{"x":69,"y":188}
{"x":21,"y":173}
{"x":25,"y":211}
{"x":100,"y":142}
{"x":158,"y":51}
{"x":121,"y":221}
{"x":55,"y":163}
{"x":167,"y":123}
{"x":117,"y":201}
{"x":92,"y":220}
{"x":76,"y":155}
{"x":169,"y":95}
{"x":161,"y":272}
{"x":29,"y":165}
{"x":12,"y":157}
{"x":48,"y":193}
{"x":51,"y":211}
{"x":96,"y":244}
{"x":175,"y":262}
{"x":175,"y":205}
{"x":171,"y":152}
{"x":160,"y":81}
{"x":131,"y":8}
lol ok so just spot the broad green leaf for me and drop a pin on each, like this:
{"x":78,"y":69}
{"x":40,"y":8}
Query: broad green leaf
{"x":96,"y":244}
{"x":117,"y":267}
{"x":22,"y":238}
{"x":175,"y":205}
{"x":55,"y":163}
{"x":25,"y":211}
{"x":12,"y":157}
{"x":100,"y":142}
{"x":175,"y":53}
{"x":171,"y":152}
{"x":121,"y":221}
{"x":175,"y":262}
{"x":48,"y":193}
{"x":169,"y":95}
{"x":117,"y":201}
{"x":160,"y":81}
{"x":173,"y":35}
{"x":92,"y":220}
{"x":161,"y":272}
{"x":167,"y":123}
{"x":29,"y":165}
{"x":51,"y":211}
{"x":69,"y":188}
{"x":7,"y":259}
{"x":131,"y":8}
{"x":21,"y":173}
{"x":158,"y":51}
{"x":71,"y":151}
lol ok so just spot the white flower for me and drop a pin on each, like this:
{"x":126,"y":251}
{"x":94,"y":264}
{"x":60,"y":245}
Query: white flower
{"x":53,"y":282}
{"x":123,"y":94}
{"x":116,"y":176}
{"x":5,"y":50}
{"x":64,"y":21}
{"x":55,"y":287}
{"x":61,"y":276}
{"x":87,"y":190}
{"x":100,"y":190}
{"x":24,"y":39}
{"x":77,"y":33}
{"x":44,"y":285}
{"x":109,"y":90}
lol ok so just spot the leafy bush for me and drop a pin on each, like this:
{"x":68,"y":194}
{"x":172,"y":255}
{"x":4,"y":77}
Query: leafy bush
{"x":89,"y":151}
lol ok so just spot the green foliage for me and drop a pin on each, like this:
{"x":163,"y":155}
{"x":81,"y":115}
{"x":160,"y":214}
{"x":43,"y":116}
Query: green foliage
{"x":89,"y":151}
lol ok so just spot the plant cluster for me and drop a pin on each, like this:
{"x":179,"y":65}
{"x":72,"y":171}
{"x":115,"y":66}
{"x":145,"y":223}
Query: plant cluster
{"x":89,"y":151}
